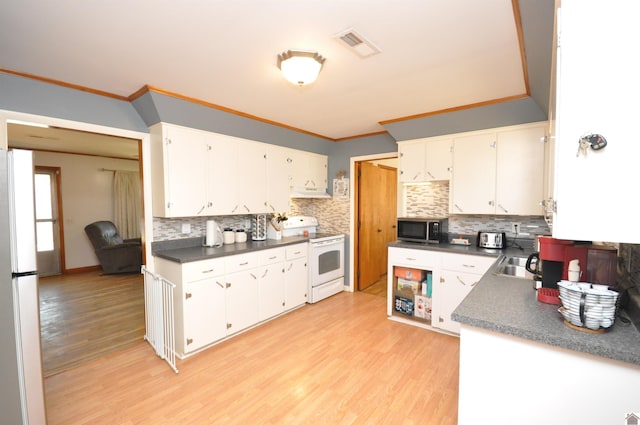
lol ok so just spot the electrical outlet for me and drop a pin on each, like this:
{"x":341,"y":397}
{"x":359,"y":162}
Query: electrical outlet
{"x":186,"y":227}
{"x":515,"y":227}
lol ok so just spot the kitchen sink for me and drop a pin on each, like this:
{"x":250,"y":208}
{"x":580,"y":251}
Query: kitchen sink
{"x":514,"y":267}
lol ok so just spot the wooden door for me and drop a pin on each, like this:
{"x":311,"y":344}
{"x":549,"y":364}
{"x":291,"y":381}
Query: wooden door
{"x":376,"y":220}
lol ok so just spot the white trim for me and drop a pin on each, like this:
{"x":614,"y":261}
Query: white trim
{"x":95,"y":128}
{"x":350,"y":284}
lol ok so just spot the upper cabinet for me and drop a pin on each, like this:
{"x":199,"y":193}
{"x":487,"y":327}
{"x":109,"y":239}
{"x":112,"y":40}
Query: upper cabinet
{"x":424,"y":160}
{"x":199,"y":173}
{"x":308,"y":170}
{"x":597,"y":92}
{"x":499,"y":172}
{"x":179,"y":158}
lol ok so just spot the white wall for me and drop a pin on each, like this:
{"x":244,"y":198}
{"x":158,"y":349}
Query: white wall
{"x":87,"y":196}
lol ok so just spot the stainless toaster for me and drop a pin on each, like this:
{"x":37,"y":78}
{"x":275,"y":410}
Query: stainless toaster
{"x":494,"y":240}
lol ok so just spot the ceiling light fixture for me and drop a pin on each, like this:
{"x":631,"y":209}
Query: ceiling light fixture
{"x":300,"y":67}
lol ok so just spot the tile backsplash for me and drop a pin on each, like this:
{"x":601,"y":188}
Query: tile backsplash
{"x":432,"y":200}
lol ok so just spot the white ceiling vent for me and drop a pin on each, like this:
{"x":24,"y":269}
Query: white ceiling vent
{"x":357,"y":43}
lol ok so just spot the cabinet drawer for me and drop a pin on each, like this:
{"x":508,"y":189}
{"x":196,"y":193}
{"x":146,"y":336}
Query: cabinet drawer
{"x":414,"y":257}
{"x":270,"y":256}
{"x":296,"y":251}
{"x":235,"y":263}
{"x":467,"y":263}
{"x":198,"y":270}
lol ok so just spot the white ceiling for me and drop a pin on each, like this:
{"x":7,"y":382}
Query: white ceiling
{"x":436,"y":54}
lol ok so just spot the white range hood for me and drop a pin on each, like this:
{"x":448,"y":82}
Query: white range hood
{"x":304,"y":192}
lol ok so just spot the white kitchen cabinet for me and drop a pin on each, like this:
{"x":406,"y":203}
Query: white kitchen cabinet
{"x":179,"y":173}
{"x":199,"y":301}
{"x":499,"y":172}
{"x":223,"y":187}
{"x":279,"y":176}
{"x":424,"y":160}
{"x":199,"y":173}
{"x":459,"y":274}
{"x":251,"y":175}
{"x":519,"y":171}
{"x":309,"y":170}
{"x":296,"y":276}
{"x":411,"y":161}
{"x":204,"y":313}
{"x":452,"y":276}
{"x":242,"y":300}
{"x":474,"y":174}
{"x":597,"y":93}
{"x":271,"y":283}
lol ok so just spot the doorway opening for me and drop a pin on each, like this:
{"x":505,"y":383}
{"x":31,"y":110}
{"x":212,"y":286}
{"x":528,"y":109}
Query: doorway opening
{"x":375,"y":214}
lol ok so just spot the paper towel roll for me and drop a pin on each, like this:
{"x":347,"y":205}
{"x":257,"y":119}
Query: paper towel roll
{"x":210,"y":237}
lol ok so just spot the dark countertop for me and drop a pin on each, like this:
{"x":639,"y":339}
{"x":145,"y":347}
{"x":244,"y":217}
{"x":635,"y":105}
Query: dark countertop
{"x":191,"y":249}
{"x":508,"y":305}
{"x":460,"y":249}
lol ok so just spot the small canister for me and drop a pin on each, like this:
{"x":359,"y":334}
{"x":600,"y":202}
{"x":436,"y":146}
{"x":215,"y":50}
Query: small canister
{"x":228,"y":236}
{"x":241,"y":236}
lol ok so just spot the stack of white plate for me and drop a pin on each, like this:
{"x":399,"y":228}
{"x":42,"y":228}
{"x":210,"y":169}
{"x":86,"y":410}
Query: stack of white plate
{"x":599,"y":304}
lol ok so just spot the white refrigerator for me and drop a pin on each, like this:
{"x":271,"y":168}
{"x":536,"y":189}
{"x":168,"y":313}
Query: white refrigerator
{"x":21,"y":357}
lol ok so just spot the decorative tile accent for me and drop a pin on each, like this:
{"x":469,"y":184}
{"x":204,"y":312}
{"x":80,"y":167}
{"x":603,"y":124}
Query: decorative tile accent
{"x":170,"y":228}
{"x":430,"y":200}
{"x":332,"y":215}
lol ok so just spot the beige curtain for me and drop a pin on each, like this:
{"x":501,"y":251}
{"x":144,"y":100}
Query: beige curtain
{"x":126,"y":190}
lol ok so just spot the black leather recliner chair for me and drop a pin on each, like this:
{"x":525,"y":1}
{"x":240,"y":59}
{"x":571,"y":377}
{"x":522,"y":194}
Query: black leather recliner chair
{"x":115,"y":255}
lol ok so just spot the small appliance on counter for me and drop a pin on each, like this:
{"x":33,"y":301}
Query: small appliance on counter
{"x":422,"y":229}
{"x":492,"y":240}
{"x":213,"y":236}
{"x":259,"y":227}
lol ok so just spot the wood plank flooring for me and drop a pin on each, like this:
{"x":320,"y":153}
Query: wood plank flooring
{"x":379,"y":288}
{"x":87,"y":315}
{"x":339,"y":361}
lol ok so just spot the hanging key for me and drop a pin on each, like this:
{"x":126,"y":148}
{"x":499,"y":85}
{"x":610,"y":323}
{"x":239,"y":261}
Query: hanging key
{"x":583,"y":145}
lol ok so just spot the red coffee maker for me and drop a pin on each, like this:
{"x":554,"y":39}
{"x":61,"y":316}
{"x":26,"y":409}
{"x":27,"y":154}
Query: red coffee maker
{"x":550,"y":264}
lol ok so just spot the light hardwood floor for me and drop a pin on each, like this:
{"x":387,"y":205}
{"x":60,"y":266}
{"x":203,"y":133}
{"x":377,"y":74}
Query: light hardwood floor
{"x":339,"y":361}
{"x":379,"y":288}
{"x":87,"y":315}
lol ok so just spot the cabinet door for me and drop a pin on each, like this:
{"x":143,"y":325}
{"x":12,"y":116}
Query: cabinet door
{"x":222,"y":165}
{"x":270,"y":290}
{"x":279,"y":164}
{"x":242,"y":300}
{"x":251,"y":173}
{"x":309,"y":170}
{"x":185,"y":172}
{"x":448,"y":293}
{"x":204,"y":313}
{"x":296,"y":279}
{"x":411,"y":161}
{"x":474,"y":174}
{"x":597,"y":93}
{"x":438,"y":159}
{"x":520,"y":171}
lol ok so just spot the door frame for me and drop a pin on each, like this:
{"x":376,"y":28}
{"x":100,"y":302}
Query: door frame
{"x":353,"y":204}
{"x":144,"y":160}
{"x":56,"y":171}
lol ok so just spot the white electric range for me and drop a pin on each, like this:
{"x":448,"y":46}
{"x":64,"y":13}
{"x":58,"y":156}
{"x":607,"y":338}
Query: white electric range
{"x":326,"y":257}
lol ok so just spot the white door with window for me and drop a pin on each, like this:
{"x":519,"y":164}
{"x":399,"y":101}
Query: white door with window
{"x":47,"y":221}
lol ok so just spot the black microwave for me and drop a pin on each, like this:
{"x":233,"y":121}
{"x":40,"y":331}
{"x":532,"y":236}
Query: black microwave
{"x":424,"y":230}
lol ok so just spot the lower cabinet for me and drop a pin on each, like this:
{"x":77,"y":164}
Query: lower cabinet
{"x":204,"y":313}
{"x":425,"y":287}
{"x":459,"y":274}
{"x":217,"y":298}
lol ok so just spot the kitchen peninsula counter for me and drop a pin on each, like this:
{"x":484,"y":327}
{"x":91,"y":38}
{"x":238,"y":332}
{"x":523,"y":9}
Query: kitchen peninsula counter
{"x":191,"y":249}
{"x":508,"y":305}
